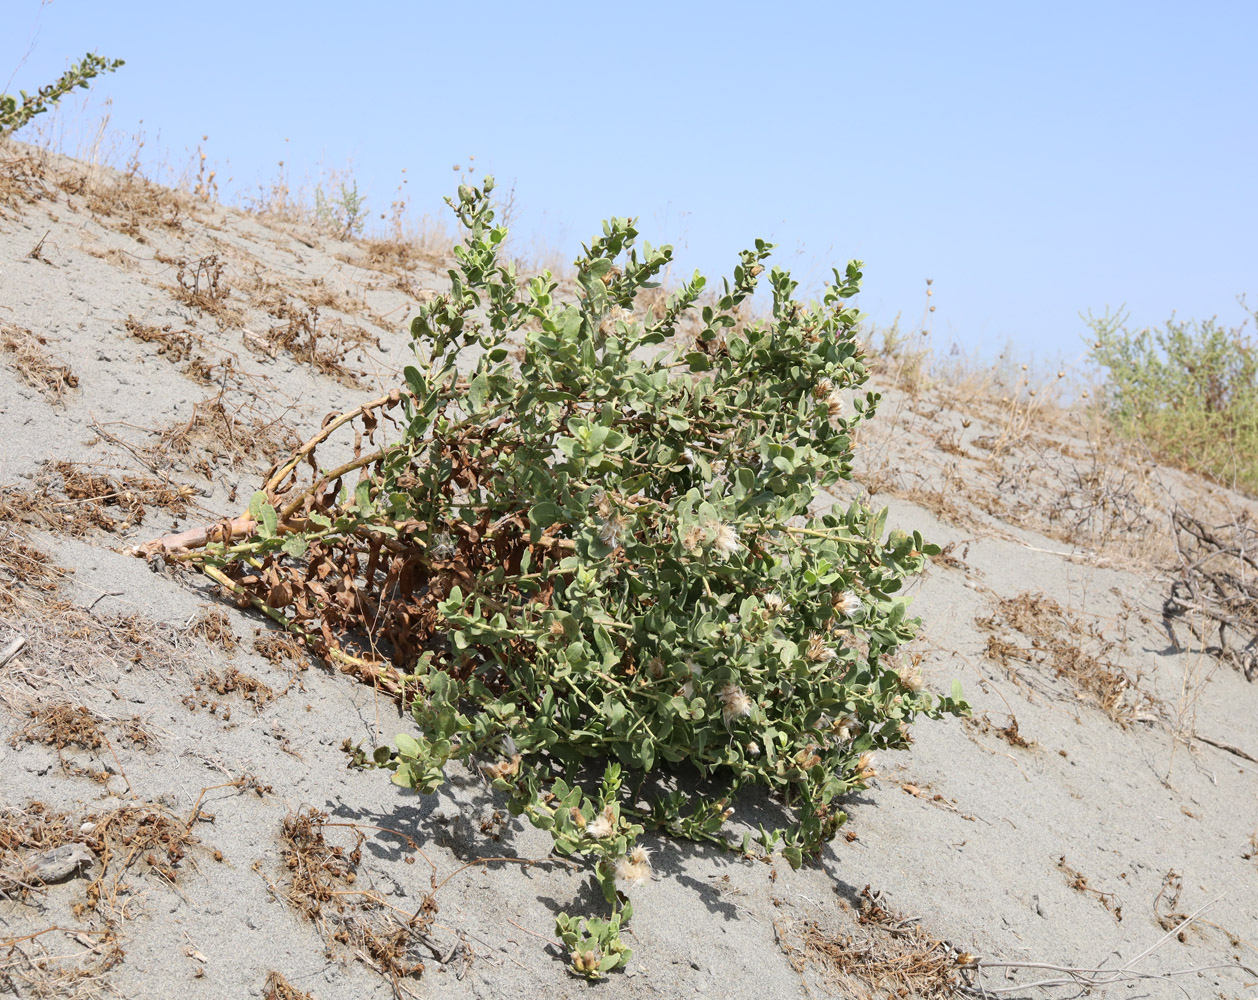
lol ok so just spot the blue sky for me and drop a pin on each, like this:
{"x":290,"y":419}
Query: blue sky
{"x":1035,"y":160}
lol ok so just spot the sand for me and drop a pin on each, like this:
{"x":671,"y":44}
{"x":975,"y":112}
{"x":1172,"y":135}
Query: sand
{"x":1070,"y":839}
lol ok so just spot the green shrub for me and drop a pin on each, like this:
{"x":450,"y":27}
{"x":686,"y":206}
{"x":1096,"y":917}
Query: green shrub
{"x":1189,"y":391}
{"x":14,"y":115}
{"x":591,"y":556}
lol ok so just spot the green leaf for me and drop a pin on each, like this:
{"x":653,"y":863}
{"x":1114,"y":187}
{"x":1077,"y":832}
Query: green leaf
{"x":544,"y":514}
{"x":478,"y":392}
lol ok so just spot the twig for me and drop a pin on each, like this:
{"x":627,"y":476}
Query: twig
{"x":1090,"y":978}
{"x":1204,"y":739}
{"x":12,"y":649}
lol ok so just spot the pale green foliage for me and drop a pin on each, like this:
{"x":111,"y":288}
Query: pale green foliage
{"x":343,"y":214}
{"x":1188,"y":390}
{"x":14,"y":115}
{"x":593,"y":552}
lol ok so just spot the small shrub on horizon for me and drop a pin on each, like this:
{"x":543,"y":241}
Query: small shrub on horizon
{"x":1188,"y":390}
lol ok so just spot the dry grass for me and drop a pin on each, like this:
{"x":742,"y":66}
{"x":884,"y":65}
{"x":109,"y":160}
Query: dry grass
{"x":1076,"y":653}
{"x":66,"y":643}
{"x":174,"y":345}
{"x":886,"y":958}
{"x":69,"y":498}
{"x":123,"y":852}
{"x":26,"y":574}
{"x":279,"y":988}
{"x":225,"y":683}
{"x":228,"y":429}
{"x":325,"y":884}
{"x":34,"y":365}
{"x":63,"y":725}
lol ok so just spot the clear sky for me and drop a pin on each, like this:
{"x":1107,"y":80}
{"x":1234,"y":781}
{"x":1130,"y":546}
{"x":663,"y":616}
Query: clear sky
{"x":1036,"y":160}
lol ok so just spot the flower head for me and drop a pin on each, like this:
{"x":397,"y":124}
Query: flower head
{"x":734,"y":702}
{"x":610,"y":530}
{"x":818,"y":651}
{"x":725,"y":540}
{"x":847,"y":603}
{"x":634,"y":872}
{"x":603,"y":825}
{"x":774,"y":605}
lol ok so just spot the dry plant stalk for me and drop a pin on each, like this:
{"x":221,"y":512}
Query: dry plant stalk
{"x":1218,"y":584}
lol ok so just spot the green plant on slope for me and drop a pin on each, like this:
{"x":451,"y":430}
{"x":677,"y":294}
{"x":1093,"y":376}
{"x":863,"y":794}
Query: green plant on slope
{"x":1188,"y":390}
{"x":590,"y":551}
{"x":14,"y":115}
{"x":345,"y":214}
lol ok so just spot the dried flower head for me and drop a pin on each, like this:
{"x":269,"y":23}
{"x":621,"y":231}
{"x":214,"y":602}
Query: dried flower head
{"x":822,"y":389}
{"x":692,"y":539}
{"x":603,"y":825}
{"x":818,"y":651}
{"x":629,"y":871}
{"x":725,"y":540}
{"x":865,"y":769}
{"x":655,"y":667}
{"x":847,"y":603}
{"x":734,"y":702}
{"x":441,"y":546}
{"x":610,"y":530}
{"x":912,"y":680}
{"x":846,"y":727}
{"x":773,"y":605}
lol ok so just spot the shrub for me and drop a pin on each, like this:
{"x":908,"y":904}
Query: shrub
{"x":13,"y":115}
{"x":1189,"y":391}
{"x":591,"y":562}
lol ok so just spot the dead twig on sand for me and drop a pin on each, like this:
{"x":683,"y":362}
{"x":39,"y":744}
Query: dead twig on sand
{"x":1218,"y":583}
{"x":1086,"y":979}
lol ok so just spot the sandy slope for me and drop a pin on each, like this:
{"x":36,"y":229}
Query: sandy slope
{"x":996,"y":846}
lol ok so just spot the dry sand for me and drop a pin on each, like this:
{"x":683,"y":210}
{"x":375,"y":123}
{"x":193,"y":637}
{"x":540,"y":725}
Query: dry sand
{"x":1064,"y":837}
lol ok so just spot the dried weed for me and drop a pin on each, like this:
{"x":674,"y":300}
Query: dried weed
{"x":279,"y":988}
{"x":34,"y":365}
{"x":224,"y":683}
{"x":1216,"y":589}
{"x":1079,"y":882}
{"x":68,"y":498}
{"x":888,"y":957}
{"x":324,"y":884}
{"x":1076,"y":652}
